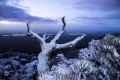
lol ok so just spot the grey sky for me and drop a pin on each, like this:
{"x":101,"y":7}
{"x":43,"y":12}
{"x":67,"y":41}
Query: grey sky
{"x":83,"y":13}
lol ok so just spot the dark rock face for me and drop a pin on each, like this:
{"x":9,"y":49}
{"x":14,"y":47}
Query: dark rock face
{"x":18,"y":68}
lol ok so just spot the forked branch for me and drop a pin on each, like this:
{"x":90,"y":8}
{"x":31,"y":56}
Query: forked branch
{"x":33,"y":34}
{"x":45,"y":36}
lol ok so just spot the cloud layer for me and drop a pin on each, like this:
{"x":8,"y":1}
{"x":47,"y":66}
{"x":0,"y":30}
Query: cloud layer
{"x":80,"y":12}
{"x":12,"y":13}
{"x":97,"y":4}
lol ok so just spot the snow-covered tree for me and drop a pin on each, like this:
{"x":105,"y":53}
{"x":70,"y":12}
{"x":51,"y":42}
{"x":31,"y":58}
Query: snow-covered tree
{"x":47,"y":48}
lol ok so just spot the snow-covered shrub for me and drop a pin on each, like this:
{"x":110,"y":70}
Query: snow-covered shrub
{"x":81,"y":68}
{"x":111,"y":40}
{"x":108,"y":39}
{"x":92,"y":50}
{"x":82,"y":65}
{"x":69,"y":69}
{"x":14,"y":68}
{"x":111,"y":44}
{"x":105,"y":54}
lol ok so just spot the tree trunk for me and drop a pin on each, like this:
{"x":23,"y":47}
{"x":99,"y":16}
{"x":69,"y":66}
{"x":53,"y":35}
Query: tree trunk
{"x":42,"y":62}
{"x":43,"y":58}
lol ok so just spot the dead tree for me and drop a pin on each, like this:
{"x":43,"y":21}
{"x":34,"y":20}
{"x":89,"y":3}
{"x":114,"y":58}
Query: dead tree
{"x":47,"y":48}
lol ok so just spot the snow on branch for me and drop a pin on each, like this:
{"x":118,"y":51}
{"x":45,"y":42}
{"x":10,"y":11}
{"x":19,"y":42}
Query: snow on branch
{"x":45,"y":37}
{"x":61,"y":31}
{"x":33,"y":34}
{"x":71,"y":43}
{"x":53,"y":41}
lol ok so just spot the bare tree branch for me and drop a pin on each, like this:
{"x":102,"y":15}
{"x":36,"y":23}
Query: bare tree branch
{"x":61,"y":31}
{"x":32,"y":34}
{"x":44,"y":36}
{"x":28,"y":28}
{"x":64,"y":24}
{"x":47,"y":37}
{"x":71,"y":43}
